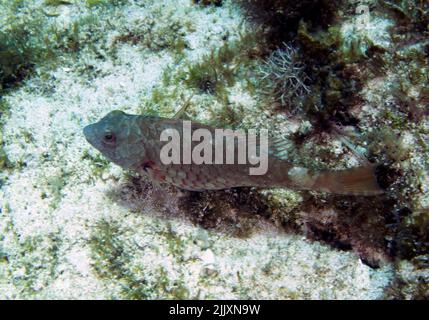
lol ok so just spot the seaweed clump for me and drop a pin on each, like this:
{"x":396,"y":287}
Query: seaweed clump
{"x":237,"y":212}
{"x":24,"y":44}
{"x":281,"y":18}
{"x":350,"y":223}
{"x":57,"y":3}
{"x":20,"y":51}
{"x":411,"y":281}
{"x":412,"y":17}
{"x":219,"y":69}
{"x":213,"y":72}
{"x":336,"y":72}
{"x":216,"y":3}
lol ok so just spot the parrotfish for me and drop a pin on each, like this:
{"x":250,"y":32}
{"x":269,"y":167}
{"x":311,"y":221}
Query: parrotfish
{"x":134,"y":143}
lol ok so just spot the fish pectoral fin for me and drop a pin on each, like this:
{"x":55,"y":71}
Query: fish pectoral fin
{"x":153,"y":171}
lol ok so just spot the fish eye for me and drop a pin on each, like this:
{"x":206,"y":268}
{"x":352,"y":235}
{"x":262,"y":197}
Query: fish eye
{"x":109,"y":136}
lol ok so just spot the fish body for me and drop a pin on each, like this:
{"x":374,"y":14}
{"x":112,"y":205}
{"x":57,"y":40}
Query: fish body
{"x":133,"y":142}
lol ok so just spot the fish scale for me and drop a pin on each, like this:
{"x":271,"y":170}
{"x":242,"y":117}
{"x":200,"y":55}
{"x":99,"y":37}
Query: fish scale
{"x":133,"y":142}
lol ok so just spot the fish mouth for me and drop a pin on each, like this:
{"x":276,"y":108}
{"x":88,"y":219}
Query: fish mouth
{"x":88,"y":132}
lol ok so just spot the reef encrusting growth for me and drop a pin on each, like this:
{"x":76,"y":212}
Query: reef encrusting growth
{"x":367,"y":90}
{"x":342,"y":88}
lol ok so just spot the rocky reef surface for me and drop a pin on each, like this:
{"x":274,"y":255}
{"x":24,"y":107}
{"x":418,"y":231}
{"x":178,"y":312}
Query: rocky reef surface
{"x":343,"y":82}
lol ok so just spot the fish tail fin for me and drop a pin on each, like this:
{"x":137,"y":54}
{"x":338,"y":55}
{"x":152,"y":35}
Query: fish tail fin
{"x":355,"y":181}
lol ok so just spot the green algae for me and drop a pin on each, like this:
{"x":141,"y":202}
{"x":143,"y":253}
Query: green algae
{"x":30,"y":261}
{"x":214,"y":72}
{"x":95,"y":3}
{"x":27,"y":41}
{"x":176,"y":245}
{"x":4,"y":160}
{"x":98,"y":163}
{"x":19,"y":51}
{"x":151,"y":35}
{"x":161,"y":102}
{"x":54,"y":187}
{"x":57,"y":3}
{"x":5,"y":163}
{"x":219,"y":70}
{"x":112,"y":261}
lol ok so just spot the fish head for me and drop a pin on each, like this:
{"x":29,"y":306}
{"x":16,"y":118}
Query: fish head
{"x":118,"y":137}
